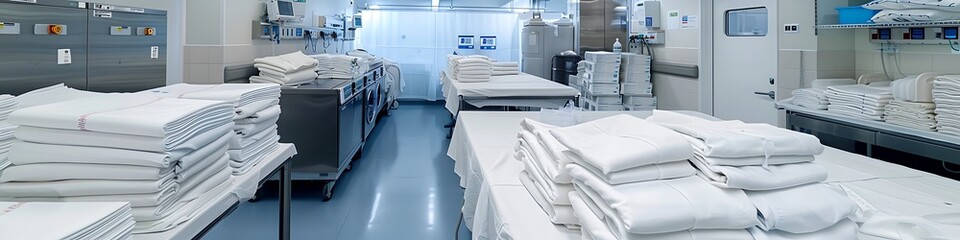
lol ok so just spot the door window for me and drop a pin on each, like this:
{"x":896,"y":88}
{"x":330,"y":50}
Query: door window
{"x":748,"y":22}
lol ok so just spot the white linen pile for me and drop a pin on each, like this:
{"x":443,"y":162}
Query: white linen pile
{"x":165,"y":156}
{"x":474,"y":68}
{"x":543,"y":159}
{"x":859,"y":101}
{"x":946,"y":95}
{"x":8,"y":103}
{"x":632,"y":181}
{"x":897,"y":11}
{"x":67,"y":221}
{"x":915,"y":115}
{"x":773,"y":166}
{"x":338,"y":66}
{"x":506,"y":68}
{"x":288,"y":69}
{"x":811,"y":98}
{"x":257,"y":108}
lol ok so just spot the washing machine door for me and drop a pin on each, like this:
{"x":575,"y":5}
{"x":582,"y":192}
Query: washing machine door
{"x":374,"y":100}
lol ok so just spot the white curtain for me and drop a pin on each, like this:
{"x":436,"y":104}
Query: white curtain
{"x":420,"y":41}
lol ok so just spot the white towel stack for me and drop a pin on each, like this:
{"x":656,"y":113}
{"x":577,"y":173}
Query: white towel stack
{"x":288,"y":69}
{"x":632,"y":181}
{"x":165,"y":156}
{"x":773,"y":166}
{"x":67,"y":221}
{"x":474,"y":68}
{"x":8,"y":103}
{"x":946,"y":95}
{"x":257,"y":108}
{"x":506,"y":68}
{"x":543,"y":158}
{"x":859,"y":101}
{"x":920,"y":116}
{"x":811,"y":98}
{"x":341,"y":66}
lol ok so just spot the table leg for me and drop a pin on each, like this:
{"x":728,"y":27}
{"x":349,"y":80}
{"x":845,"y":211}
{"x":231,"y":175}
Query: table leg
{"x":285,"y":189}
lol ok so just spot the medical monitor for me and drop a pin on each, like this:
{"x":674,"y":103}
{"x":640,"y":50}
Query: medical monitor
{"x":280,"y":10}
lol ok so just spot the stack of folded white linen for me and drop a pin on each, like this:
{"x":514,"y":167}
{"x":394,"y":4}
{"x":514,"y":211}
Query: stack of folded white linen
{"x":913,"y":105}
{"x":811,"y":98}
{"x":859,"y":101}
{"x":632,"y":181}
{"x":505,"y":68}
{"x":288,"y":69}
{"x":67,"y":221}
{"x":338,"y":66}
{"x":774,"y":167}
{"x":543,"y":159}
{"x":167,"y":157}
{"x":946,"y":95}
{"x":8,"y":103}
{"x":475,"y":68}
{"x":52,"y":94}
{"x":257,"y":108}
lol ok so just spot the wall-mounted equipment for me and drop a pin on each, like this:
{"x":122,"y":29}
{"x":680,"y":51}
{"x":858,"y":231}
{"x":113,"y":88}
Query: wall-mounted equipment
{"x":651,"y":14}
{"x":914,"y":35}
{"x":285,"y":11}
{"x":89,"y":46}
{"x":540,"y":42}
{"x":950,"y":33}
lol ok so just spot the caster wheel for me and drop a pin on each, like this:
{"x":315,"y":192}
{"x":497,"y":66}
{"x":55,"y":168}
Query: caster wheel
{"x":327,"y":192}
{"x":348,"y":168}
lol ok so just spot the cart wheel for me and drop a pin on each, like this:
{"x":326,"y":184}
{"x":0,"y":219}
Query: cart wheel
{"x":348,"y":168}
{"x":327,"y":191}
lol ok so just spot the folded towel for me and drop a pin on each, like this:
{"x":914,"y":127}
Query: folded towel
{"x":760,"y":178}
{"x":803,"y":209}
{"x":734,"y":139}
{"x":622,"y":142}
{"x":506,"y":64}
{"x":671,"y":205}
{"x":291,"y":62}
{"x":654,"y":172}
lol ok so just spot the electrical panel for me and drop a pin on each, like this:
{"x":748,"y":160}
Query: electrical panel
{"x":917,"y":35}
{"x":654,"y":38}
{"x":269,"y":32}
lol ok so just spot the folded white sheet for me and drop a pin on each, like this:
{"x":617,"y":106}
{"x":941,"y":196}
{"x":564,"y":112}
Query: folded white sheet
{"x":251,"y":129}
{"x":938,"y":226}
{"x":914,"y":15}
{"x":194,"y":187}
{"x":844,"y":230}
{"x":559,"y":214}
{"x":749,"y":161}
{"x":672,"y":205}
{"x":180,"y":146}
{"x":25,"y":153}
{"x":133,"y":114}
{"x":760,"y":178}
{"x":52,"y":94}
{"x":289,"y":62}
{"x":734,"y":139}
{"x":593,"y":227}
{"x":237,"y":94}
{"x":663,"y":171}
{"x":804,"y":209}
{"x":622,"y":142}
{"x":506,"y":64}
{"x":505,"y":73}
{"x":73,"y":188}
{"x":165,"y":197}
{"x":71,"y":220}
{"x":201,"y":169}
{"x":281,"y":81}
{"x":185,"y":211}
{"x":78,"y":171}
{"x":264,"y":115}
{"x":301,"y":76}
{"x":555,"y":193}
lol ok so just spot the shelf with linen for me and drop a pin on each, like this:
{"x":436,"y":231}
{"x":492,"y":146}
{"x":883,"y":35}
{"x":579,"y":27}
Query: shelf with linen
{"x":952,"y":23}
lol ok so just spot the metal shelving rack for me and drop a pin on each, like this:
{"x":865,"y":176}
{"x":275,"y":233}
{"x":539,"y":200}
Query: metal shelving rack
{"x":891,"y":25}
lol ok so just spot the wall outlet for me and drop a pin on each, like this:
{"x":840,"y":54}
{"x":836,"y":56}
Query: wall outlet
{"x":791,"y":28}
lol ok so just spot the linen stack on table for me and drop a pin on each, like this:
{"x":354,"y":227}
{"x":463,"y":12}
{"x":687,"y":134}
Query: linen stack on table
{"x":774,"y":167}
{"x":543,"y":159}
{"x":469,"y":68}
{"x":67,"y":221}
{"x":946,"y":94}
{"x":289,"y":69}
{"x":7,"y":104}
{"x":632,"y":181}
{"x":167,"y":157}
{"x":601,"y":81}
{"x":913,"y":105}
{"x":341,"y":66}
{"x":257,"y":108}
{"x":506,"y":68}
{"x":811,"y":98}
{"x":859,"y":101}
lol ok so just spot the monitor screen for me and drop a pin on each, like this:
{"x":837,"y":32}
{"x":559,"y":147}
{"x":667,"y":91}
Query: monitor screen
{"x":286,"y":8}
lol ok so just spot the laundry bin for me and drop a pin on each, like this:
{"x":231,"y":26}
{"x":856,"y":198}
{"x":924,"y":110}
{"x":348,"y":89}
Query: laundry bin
{"x":563,"y":67}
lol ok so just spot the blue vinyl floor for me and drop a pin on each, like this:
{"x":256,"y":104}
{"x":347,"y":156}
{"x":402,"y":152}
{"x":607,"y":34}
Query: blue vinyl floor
{"x":403,"y":187}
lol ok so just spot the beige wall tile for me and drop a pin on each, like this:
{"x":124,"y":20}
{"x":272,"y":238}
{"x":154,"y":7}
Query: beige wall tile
{"x":215,"y":74}
{"x":215,"y":54}
{"x":789,"y":59}
{"x":946,"y":63}
{"x":239,"y":54}
{"x":836,"y":60}
{"x":196,"y":54}
{"x":197,"y":73}
{"x":867,"y":61}
{"x":789,"y":78}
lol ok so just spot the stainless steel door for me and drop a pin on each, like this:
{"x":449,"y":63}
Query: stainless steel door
{"x":122,"y":62}
{"x":29,"y":61}
{"x":351,"y":128}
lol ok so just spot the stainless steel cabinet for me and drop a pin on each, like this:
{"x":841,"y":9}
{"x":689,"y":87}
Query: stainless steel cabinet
{"x":123,"y":57}
{"x":29,"y":59}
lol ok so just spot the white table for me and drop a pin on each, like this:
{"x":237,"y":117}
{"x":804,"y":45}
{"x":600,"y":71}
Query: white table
{"x":243,"y":188}
{"x":496,"y":206}
{"x":523,"y":90}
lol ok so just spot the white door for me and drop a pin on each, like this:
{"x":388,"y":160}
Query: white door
{"x":745,"y":60}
